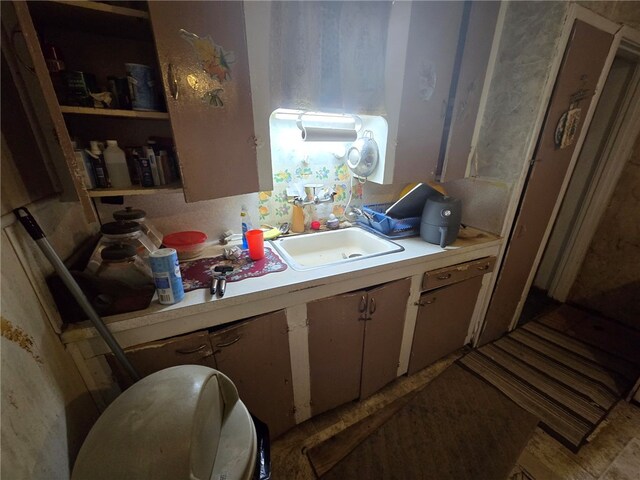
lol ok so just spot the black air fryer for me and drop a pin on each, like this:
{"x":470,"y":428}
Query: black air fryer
{"x":441,"y":220}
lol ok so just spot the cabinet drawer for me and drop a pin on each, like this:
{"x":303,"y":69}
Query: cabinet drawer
{"x":192,"y":349}
{"x":457,"y":273}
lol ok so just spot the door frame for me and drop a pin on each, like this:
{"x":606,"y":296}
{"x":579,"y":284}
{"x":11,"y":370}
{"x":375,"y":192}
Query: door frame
{"x":574,"y":12}
{"x":600,"y":190}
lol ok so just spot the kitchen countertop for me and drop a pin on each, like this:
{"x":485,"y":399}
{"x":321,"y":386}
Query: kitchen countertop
{"x":290,"y":282}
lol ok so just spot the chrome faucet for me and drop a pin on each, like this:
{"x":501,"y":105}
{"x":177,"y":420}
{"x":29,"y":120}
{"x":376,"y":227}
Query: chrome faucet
{"x":313,"y":198}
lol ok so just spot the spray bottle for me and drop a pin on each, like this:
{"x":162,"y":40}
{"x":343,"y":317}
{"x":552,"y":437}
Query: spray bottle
{"x":246,"y":226}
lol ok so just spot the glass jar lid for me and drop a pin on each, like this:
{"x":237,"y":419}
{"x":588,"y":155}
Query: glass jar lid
{"x":118,"y":252}
{"x":129,"y":213}
{"x":120,"y":228}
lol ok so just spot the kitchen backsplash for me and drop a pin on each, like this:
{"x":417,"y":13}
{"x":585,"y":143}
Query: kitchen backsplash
{"x":170,"y":213}
{"x":292,"y":169}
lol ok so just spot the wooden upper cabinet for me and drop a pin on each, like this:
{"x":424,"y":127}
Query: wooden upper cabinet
{"x":428,"y":71}
{"x":202,"y":51}
{"x":475,"y":44}
{"x":28,"y":63}
{"x":448,"y":46}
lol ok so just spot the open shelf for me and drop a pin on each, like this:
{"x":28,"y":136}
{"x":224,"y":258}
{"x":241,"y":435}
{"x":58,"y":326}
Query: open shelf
{"x":103,"y":7}
{"x":108,"y":112}
{"x":92,"y":16}
{"x":135,"y":190}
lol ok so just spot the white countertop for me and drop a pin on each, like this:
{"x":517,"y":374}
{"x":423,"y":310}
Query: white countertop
{"x":417,"y":254}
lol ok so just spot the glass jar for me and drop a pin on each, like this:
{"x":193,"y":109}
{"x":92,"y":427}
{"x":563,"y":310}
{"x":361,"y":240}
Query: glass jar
{"x":121,"y":262}
{"x":121,"y":233}
{"x":130,"y":214}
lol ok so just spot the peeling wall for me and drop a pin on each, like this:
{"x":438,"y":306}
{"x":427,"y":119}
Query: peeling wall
{"x":609,"y":279}
{"x":528,"y":44}
{"x":46,"y":407}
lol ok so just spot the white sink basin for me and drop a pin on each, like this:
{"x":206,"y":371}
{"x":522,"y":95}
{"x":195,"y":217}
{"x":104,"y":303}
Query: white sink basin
{"x":314,"y":250}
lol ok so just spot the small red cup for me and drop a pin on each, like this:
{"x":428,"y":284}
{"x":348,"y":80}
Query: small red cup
{"x":255,"y":240}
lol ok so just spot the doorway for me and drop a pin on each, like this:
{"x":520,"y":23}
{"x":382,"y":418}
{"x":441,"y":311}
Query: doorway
{"x":585,"y":62}
{"x":599,"y":164}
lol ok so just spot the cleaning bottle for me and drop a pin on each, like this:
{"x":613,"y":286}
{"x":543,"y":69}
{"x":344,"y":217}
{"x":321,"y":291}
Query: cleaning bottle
{"x":117,"y":165}
{"x":99,"y":165}
{"x":246,"y":226}
{"x":85,"y":165}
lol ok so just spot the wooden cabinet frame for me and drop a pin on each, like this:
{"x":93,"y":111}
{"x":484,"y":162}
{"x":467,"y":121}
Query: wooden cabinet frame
{"x":88,"y":351}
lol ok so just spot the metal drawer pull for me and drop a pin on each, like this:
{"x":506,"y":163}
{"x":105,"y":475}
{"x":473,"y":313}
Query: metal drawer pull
{"x":222,"y":345}
{"x":446,"y":276}
{"x":173,"y":82}
{"x":363,"y":304}
{"x":192,"y":350}
{"x":484,"y":267}
{"x":372,"y":306}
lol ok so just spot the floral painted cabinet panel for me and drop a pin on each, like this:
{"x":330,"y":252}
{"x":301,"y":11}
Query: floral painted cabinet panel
{"x":202,"y":51}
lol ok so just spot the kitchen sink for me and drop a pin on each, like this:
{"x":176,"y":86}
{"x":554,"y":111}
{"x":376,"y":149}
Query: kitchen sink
{"x":333,"y":247}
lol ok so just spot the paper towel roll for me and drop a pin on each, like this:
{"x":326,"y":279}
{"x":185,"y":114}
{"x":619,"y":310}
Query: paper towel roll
{"x":319,"y":134}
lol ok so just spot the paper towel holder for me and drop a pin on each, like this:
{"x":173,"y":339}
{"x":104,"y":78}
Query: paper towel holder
{"x":328,"y":127}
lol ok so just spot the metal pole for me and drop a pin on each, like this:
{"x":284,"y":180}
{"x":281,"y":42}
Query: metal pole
{"x":38,"y":235}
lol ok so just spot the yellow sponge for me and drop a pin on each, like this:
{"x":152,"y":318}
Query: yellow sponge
{"x":271,"y":234}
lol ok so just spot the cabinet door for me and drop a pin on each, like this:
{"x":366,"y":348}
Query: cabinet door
{"x":430,"y":56}
{"x":48,"y":122}
{"x":443,"y":321}
{"x":255,"y":355}
{"x":336,"y":334}
{"x":192,"y":349}
{"x":582,"y":66}
{"x":478,"y":39}
{"x":383,"y":335}
{"x":202,"y":51}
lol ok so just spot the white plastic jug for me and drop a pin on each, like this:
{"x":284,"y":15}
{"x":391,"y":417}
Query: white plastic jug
{"x":116,"y":162}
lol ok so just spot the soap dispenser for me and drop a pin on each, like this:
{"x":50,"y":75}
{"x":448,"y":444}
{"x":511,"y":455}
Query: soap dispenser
{"x":297,"y":220}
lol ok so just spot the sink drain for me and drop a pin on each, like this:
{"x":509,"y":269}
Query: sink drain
{"x":354,"y":255}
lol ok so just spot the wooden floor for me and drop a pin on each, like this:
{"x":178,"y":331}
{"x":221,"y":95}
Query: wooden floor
{"x":613,"y":451}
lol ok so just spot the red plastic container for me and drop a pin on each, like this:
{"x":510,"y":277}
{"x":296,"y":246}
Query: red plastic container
{"x":188,"y":244}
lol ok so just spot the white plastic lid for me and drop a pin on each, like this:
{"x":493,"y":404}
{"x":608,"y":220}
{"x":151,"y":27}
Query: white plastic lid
{"x":174,"y":424}
{"x":93,"y":144}
{"x":112,"y":143}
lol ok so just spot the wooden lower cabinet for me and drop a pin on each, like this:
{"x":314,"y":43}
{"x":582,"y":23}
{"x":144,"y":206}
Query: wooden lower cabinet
{"x":255,"y":355}
{"x":354,"y":343}
{"x":192,"y":349}
{"x":443,"y":322}
{"x":383,"y":335}
{"x":336,"y":335}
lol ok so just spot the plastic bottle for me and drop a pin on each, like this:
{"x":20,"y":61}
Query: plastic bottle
{"x":99,"y":165}
{"x":85,"y":164}
{"x":332,"y":222}
{"x":150,"y":154}
{"x":116,"y":162}
{"x":246,"y":226}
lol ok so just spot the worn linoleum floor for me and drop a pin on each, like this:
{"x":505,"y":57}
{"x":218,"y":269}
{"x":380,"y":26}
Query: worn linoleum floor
{"x":613,"y":451}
